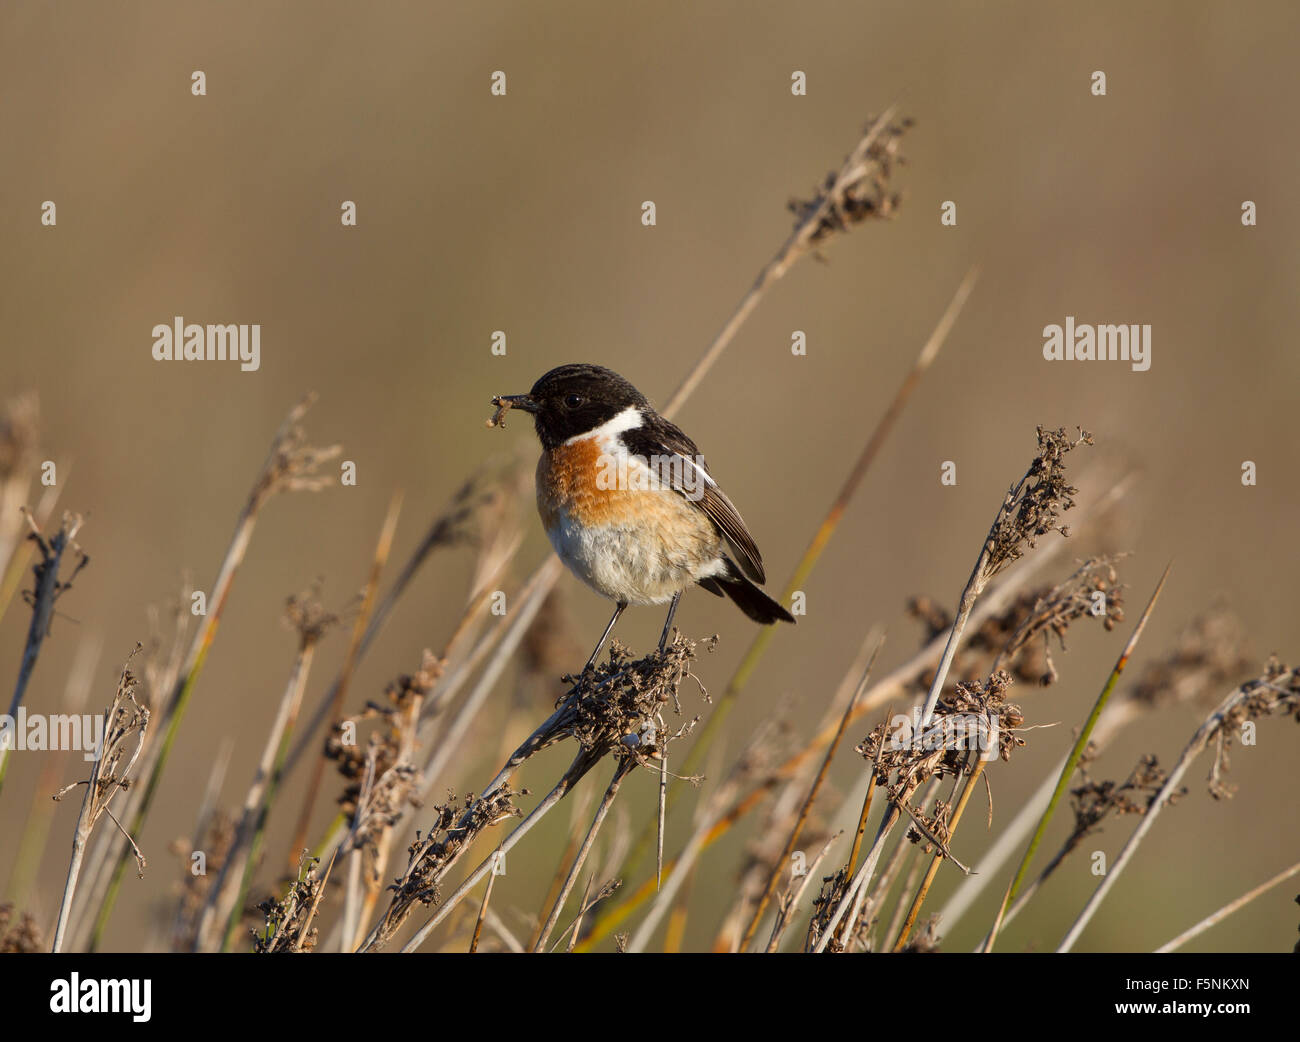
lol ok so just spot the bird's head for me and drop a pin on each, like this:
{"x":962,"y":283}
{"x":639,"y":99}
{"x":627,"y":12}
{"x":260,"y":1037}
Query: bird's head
{"x":573,"y":400}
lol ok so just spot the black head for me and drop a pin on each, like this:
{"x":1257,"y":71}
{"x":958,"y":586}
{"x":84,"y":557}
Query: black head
{"x":574,"y":399}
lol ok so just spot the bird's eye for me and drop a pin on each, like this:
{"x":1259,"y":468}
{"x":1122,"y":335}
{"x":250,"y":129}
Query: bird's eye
{"x":573,"y":401}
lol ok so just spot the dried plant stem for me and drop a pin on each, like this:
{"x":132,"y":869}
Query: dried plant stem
{"x":901,"y":905}
{"x":682,"y":867}
{"x":938,"y":858}
{"x":582,"y":763}
{"x":787,"y":905}
{"x":1117,"y":717}
{"x":544,"y":735}
{"x":220,"y":918}
{"x":862,"y":825}
{"x":17,"y":558}
{"x":350,"y":924}
{"x":856,"y":893}
{"x":624,"y":767}
{"x":663,"y":821}
{"x":447,"y":687}
{"x":1028,"y":511}
{"x":1227,"y":910}
{"x":760,"y":907}
{"x":503,"y":932}
{"x":125,"y":721}
{"x":870,"y":902}
{"x":48,"y":590}
{"x":290,"y":466}
{"x":530,"y":602}
{"x":315,"y":905}
{"x":576,"y":928}
{"x":443,"y":532}
{"x":1200,"y":739}
{"x":74,"y":869}
{"x":339,"y":689}
{"x":36,"y":829}
{"x":483,"y":908}
{"x":854,"y":897}
{"x":579,"y":812}
{"x":799,"y":244}
{"x":1081,"y":743}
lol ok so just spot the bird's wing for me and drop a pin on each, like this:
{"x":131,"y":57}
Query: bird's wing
{"x":692,"y":479}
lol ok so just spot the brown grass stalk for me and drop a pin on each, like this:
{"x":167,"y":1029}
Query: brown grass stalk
{"x":625,"y":766}
{"x":760,"y":906}
{"x":338,"y":694}
{"x":1215,"y":918}
{"x":291,"y":466}
{"x":938,"y":858}
{"x":224,"y":907}
{"x":47,"y":590}
{"x":483,"y":908}
{"x":789,"y":901}
{"x":578,"y":769}
{"x":125,"y":725}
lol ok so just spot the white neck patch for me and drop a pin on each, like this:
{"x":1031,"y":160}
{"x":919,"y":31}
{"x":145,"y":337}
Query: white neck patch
{"x":628,"y":420}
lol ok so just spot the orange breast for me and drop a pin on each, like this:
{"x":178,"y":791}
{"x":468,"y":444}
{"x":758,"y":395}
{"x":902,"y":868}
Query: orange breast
{"x":568,"y":483}
{"x":579,"y":483}
{"x":629,"y":542}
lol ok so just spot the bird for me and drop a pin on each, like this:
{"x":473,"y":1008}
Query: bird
{"x":628,"y":502}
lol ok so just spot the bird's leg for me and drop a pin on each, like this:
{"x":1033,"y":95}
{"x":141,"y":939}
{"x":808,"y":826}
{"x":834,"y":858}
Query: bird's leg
{"x":622,"y":605}
{"x":668,"y":622}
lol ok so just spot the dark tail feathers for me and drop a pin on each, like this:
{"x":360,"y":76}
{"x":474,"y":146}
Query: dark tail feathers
{"x":748,"y":597}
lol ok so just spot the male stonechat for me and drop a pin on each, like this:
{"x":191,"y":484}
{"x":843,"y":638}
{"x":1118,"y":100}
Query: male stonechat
{"x":628,"y":502}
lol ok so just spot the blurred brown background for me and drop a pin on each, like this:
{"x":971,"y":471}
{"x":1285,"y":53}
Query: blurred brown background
{"x":523,"y":214}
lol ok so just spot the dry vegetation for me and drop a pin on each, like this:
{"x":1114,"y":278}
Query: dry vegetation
{"x":825,"y":870}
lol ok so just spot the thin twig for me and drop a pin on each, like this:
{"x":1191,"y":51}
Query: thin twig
{"x":1208,"y":731}
{"x":938,"y":858}
{"x":125,"y":721}
{"x":338,"y":693}
{"x":1227,"y":910}
{"x":483,"y":909}
{"x":761,"y":905}
{"x":48,"y":589}
{"x":1081,"y":743}
{"x":624,"y":767}
{"x":291,"y":465}
{"x":788,"y":903}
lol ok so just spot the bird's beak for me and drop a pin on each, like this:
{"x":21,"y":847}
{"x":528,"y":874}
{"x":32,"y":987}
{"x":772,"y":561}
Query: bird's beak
{"x":516,"y":401}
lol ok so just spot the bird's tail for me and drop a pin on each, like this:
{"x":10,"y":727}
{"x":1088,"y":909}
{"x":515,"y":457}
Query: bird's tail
{"x":749,"y":598}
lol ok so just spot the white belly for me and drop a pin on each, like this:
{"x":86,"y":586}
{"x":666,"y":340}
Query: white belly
{"x":618,"y":564}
